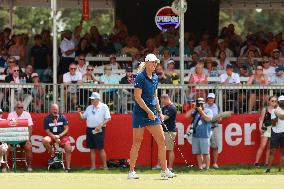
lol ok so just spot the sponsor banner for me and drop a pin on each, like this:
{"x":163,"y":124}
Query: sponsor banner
{"x":240,"y":140}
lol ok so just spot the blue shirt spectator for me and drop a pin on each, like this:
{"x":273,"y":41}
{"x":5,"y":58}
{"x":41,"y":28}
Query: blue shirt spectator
{"x":202,"y":127}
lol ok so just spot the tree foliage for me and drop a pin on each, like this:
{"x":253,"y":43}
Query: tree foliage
{"x":250,"y":20}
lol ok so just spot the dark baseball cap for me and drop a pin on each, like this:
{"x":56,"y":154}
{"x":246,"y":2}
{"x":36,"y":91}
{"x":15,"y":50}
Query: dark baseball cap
{"x":279,"y":68}
{"x":229,"y":66}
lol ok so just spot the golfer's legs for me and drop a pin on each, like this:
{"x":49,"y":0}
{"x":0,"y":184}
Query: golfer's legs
{"x":137,"y":139}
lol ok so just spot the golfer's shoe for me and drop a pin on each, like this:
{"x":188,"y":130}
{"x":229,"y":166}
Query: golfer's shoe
{"x":167,"y":174}
{"x":52,"y":160}
{"x":132,"y":175}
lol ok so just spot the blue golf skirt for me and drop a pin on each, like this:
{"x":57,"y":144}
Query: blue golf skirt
{"x":140,"y":117}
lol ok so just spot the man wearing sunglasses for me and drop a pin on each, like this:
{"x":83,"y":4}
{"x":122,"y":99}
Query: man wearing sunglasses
{"x":71,"y":78}
{"x":18,"y":77}
{"x":81,"y":67}
{"x":18,"y":114}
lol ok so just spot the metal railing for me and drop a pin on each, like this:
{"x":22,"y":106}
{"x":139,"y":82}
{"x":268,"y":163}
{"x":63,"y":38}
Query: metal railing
{"x":120,"y":99}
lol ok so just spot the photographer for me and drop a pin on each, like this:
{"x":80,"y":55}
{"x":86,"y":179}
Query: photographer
{"x":265,"y":129}
{"x":201,"y":132}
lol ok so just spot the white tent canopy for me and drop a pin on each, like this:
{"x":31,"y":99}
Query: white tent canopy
{"x":94,"y":4}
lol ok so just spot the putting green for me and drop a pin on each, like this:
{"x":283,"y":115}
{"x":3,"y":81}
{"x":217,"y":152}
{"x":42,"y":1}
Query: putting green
{"x":146,"y":181}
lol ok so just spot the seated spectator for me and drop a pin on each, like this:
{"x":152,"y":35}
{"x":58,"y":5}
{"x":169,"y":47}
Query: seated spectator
{"x":114,"y":65}
{"x":37,"y":92}
{"x":230,"y":78}
{"x":172,"y":45}
{"x":210,"y":69}
{"x":189,"y":46}
{"x":194,"y":60}
{"x":12,"y":62}
{"x":250,"y":46}
{"x":136,"y":59}
{"x":151,"y":46}
{"x":129,"y":49}
{"x":84,"y":47}
{"x":203,"y":49}
{"x":81,"y":66}
{"x":267,"y":68}
{"x":275,"y":58}
{"x":258,"y":78}
{"x":19,"y":114}
{"x":3,"y":57}
{"x":40,"y":58}
{"x":129,"y":77}
{"x":222,"y":46}
{"x":222,"y":62}
{"x":281,"y":49}
{"x":28,"y":73}
{"x":109,"y":78}
{"x":72,"y":77}
{"x":106,"y":47}
{"x":170,"y":71}
{"x":125,"y":94}
{"x":278,"y":77}
{"x":20,"y":94}
{"x":89,"y":78}
{"x":250,"y":60}
{"x":162,"y":77}
{"x":57,"y":130}
{"x":166,"y":56}
{"x":243,"y":71}
{"x":198,"y":77}
{"x":18,"y":50}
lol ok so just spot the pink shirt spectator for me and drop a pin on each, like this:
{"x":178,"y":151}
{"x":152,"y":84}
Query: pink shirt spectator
{"x":24,"y":115}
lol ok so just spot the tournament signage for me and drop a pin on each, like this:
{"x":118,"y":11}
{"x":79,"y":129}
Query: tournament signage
{"x":166,"y":18}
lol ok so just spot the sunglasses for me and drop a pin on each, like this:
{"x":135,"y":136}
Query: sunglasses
{"x":72,"y":68}
{"x":272,"y":100}
{"x":20,"y":107}
{"x":16,"y":70}
{"x":90,"y":69}
{"x":82,"y":59}
{"x":259,"y":69}
{"x":12,"y":62}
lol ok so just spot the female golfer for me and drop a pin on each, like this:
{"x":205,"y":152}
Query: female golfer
{"x":147,"y":114}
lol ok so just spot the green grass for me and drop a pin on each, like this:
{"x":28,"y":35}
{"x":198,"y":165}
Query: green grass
{"x":225,"y":170}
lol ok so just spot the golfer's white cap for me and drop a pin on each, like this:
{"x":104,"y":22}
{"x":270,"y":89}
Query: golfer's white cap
{"x":280,"y":98}
{"x":95,"y":95}
{"x":151,"y":57}
{"x":211,"y":95}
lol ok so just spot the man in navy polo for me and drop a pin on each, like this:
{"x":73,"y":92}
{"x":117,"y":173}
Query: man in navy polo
{"x":56,"y":127}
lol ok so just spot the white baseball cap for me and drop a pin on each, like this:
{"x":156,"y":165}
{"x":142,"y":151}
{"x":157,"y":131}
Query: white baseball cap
{"x":280,"y":98}
{"x":211,"y":95}
{"x":151,"y":57}
{"x":95,"y":95}
{"x":1,"y":110}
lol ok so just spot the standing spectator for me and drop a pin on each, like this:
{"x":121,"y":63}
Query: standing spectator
{"x":281,"y":49}
{"x":201,"y":132}
{"x":46,"y":40}
{"x":106,"y":47}
{"x":7,"y":37}
{"x":258,"y":78}
{"x":57,"y":130}
{"x":265,"y":129}
{"x":129,"y":76}
{"x":277,"y":135}
{"x":215,"y":137}
{"x":40,"y":58}
{"x":172,"y":45}
{"x":166,"y":57}
{"x":169,"y":111}
{"x":95,"y":39}
{"x":81,"y":67}
{"x":97,"y":115}
{"x":70,"y":78}
{"x":19,"y":114}
{"x":67,"y":48}
{"x":12,"y":62}
{"x":76,"y":36}
{"x":222,"y":62}
{"x":18,"y":50}
{"x":267,"y":68}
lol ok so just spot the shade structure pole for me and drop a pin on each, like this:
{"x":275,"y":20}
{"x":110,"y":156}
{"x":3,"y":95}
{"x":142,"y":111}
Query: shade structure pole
{"x":54,"y":31}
